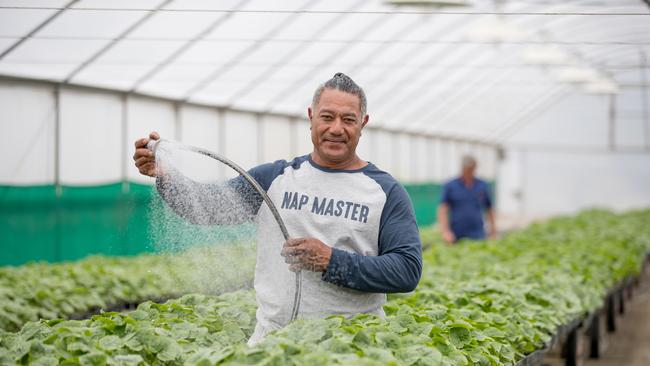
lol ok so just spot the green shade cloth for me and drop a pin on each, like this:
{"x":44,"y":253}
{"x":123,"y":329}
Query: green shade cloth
{"x":114,"y":219}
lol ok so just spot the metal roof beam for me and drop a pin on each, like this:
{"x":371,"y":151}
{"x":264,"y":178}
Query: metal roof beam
{"x":285,"y":60}
{"x":326,"y":61}
{"x":184,"y":47}
{"x":529,"y":114}
{"x":481,"y":93}
{"x":37,"y":28}
{"x":241,"y":55}
{"x":113,"y":42}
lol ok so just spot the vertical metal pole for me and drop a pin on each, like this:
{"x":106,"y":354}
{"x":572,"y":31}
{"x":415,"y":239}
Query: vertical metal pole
{"x":57,"y":173}
{"x":413,"y":158}
{"x":431,"y":158}
{"x":222,"y":141}
{"x":395,"y":148}
{"x":594,"y":336}
{"x":370,"y":141}
{"x":498,"y":154}
{"x":522,"y":192}
{"x":178,"y":131}
{"x":611,"y":313}
{"x":124,"y":143}
{"x":454,"y":158}
{"x":293,"y":137}
{"x":572,"y":348}
{"x":621,"y":301}
{"x":57,"y":140}
{"x":438,"y":152}
{"x":445,"y":159}
{"x":612,"y":122}
{"x":644,"y":102}
{"x":260,"y":139}
{"x":124,"y":203}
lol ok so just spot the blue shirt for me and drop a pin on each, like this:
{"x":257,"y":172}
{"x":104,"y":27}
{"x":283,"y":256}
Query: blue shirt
{"x":466,"y":205}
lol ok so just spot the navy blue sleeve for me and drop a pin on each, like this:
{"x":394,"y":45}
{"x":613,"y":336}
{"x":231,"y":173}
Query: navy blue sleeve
{"x":488,"y":196}
{"x":265,"y":174}
{"x":445,"y":196}
{"x":398,"y":266}
{"x":228,"y":203}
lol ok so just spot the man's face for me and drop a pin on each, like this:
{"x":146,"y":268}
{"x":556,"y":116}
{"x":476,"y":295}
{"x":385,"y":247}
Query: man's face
{"x":468,"y":171}
{"x":336,"y":124}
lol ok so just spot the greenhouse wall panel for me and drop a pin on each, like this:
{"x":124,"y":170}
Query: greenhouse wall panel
{"x":201,"y":127}
{"x":27,"y":115}
{"x":90,"y":138}
{"x":625,"y":176}
{"x":365,"y":147}
{"x":384,"y":145}
{"x":302,"y":134}
{"x":240,"y":138}
{"x":275,"y":131}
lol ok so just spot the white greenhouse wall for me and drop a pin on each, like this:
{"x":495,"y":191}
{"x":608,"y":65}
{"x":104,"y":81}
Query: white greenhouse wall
{"x":384,"y":151}
{"x":91,"y":138}
{"x":201,"y":127}
{"x":560,"y":160}
{"x":436,"y":160}
{"x":275,"y":133}
{"x":27,"y":119}
{"x":240,"y":137}
{"x":302,"y":136}
{"x":365,"y":146}
{"x":98,"y":129}
{"x":423,"y":171}
{"x":541,"y":184}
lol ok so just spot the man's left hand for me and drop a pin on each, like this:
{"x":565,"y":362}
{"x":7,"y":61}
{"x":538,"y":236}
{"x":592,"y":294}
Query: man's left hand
{"x":306,"y":253}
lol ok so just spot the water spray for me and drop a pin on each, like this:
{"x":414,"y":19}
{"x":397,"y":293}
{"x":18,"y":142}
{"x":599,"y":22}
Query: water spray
{"x":153,"y":145}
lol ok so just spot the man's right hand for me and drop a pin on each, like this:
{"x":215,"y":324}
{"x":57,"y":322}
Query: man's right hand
{"x":144,"y":158}
{"x":448,"y":236}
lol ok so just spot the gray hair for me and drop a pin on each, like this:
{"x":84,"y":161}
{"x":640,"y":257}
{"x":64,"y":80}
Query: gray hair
{"x":344,"y":83}
{"x":468,"y":161}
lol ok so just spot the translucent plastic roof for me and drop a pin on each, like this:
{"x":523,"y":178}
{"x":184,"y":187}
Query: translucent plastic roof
{"x":471,"y":71}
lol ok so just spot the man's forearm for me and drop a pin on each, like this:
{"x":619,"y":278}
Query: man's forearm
{"x":491,"y":222}
{"x":208,"y":204}
{"x":443,"y":220}
{"x":398,"y":271}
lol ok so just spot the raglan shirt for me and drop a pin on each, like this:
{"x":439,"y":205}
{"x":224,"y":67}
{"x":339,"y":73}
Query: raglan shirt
{"x":365,"y":215}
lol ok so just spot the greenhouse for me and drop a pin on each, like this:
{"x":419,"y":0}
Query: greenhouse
{"x":171,"y":187}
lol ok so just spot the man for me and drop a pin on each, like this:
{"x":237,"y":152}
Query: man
{"x":464,"y":199}
{"x":353,"y":229}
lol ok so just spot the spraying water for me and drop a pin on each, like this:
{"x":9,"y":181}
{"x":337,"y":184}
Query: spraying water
{"x":191,"y":199}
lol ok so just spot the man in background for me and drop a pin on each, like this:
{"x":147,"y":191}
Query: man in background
{"x":462,"y":204}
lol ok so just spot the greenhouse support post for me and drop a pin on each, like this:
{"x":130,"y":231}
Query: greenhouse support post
{"x":644,"y":96}
{"x":124,"y":142}
{"x":178,"y":131}
{"x":293,"y":133}
{"x":259,"y":121}
{"x":57,"y":173}
{"x":612,"y":122}
{"x":522,"y":190}
{"x":221,"y":139}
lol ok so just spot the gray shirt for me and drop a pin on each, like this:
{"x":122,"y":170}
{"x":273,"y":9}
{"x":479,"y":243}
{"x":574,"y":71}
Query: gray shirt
{"x":365,"y":215}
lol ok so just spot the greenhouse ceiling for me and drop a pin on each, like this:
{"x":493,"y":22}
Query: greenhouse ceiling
{"x":468,"y":68}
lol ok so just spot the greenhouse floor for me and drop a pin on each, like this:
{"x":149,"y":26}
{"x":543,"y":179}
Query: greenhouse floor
{"x":630,"y":344}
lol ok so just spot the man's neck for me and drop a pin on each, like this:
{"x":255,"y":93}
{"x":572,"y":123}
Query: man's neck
{"x":350,"y":164}
{"x":467,"y":180}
